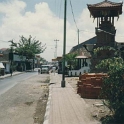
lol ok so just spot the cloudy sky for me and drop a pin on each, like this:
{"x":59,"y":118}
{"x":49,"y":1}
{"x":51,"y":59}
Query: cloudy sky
{"x":43,"y":19}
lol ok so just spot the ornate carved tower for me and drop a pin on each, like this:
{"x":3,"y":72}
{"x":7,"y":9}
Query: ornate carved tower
{"x":105,"y":12}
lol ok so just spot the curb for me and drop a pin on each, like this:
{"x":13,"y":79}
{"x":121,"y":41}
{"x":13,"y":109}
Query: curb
{"x":6,"y":76}
{"x":46,"y":117}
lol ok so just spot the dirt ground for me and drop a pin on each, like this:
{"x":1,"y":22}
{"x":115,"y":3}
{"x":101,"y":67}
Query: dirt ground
{"x":96,"y":106}
{"x":41,"y":104}
{"x":26,"y":102}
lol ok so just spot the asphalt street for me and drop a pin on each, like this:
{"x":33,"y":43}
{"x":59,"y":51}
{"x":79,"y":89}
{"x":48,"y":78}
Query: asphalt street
{"x":9,"y":82}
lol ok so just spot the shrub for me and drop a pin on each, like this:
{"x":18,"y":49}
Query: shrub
{"x":113,"y":88}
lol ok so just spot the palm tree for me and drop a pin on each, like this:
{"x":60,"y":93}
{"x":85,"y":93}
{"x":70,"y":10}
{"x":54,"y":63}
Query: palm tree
{"x":70,"y":58}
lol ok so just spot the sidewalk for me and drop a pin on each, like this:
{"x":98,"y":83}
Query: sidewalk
{"x":9,"y":75}
{"x":65,"y":106}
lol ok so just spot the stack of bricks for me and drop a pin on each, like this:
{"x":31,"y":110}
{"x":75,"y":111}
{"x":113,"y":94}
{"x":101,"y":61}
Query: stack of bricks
{"x":89,"y":85}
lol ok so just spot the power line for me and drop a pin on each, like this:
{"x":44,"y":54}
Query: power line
{"x":75,"y":23}
{"x":73,"y":15}
{"x":4,"y":41}
{"x":60,"y":8}
{"x":55,"y":6}
{"x":58,"y":5}
{"x":58,"y":46}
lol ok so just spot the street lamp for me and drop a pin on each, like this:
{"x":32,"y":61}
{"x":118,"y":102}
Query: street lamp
{"x":64,"y":47}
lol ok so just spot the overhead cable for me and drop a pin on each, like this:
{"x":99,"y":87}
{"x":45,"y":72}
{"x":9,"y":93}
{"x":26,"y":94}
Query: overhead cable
{"x":73,"y":15}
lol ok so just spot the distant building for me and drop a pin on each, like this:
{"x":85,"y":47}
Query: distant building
{"x":5,"y":59}
{"x":16,"y":61}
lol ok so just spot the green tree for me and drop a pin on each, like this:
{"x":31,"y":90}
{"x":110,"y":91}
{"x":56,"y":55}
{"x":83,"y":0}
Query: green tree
{"x":113,"y":88}
{"x":43,"y":60}
{"x":70,"y":58}
{"x":28,"y":46}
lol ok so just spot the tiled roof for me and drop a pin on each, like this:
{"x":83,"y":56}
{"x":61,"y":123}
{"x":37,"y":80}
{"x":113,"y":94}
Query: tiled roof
{"x":105,"y":4}
{"x":4,"y":49}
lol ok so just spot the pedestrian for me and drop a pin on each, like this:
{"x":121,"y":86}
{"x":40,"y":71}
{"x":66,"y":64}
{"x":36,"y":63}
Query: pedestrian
{"x":54,"y":69}
{"x":39,"y":71}
{"x":11,"y":71}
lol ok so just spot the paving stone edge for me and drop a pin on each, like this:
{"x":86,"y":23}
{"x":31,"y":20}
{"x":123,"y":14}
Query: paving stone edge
{"x":46,"y":116}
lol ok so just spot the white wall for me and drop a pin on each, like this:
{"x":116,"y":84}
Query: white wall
{"x":82,"y":70}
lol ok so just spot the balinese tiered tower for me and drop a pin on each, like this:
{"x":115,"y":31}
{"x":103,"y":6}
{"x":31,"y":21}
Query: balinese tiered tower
{"x":104,"y":12}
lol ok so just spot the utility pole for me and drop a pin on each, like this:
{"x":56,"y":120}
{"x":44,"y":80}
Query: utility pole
{"x":64,"y":48}
{"x":78,"y":42}
{"x":55,"y":56}
{"x":11,"y":60}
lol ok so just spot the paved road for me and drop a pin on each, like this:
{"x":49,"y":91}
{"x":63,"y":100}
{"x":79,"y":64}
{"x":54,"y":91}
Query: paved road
{"x":25,"y":102}
{"x":9,"y":82}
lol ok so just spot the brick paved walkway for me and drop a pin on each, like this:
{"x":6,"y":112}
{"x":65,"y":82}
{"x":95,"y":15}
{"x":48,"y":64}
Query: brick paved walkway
{"x":66,"y":107}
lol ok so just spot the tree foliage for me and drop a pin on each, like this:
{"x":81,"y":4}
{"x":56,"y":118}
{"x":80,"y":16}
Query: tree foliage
{"x":98,"y":49}
{"x":113,"y":88}
{"x":70,"y":58}
{"x":28,"y":46}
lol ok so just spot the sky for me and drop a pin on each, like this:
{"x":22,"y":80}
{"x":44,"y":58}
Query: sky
{"x":44,"y":21}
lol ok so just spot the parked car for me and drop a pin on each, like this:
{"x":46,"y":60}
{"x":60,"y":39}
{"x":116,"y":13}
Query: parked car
{"x":45,"y":68}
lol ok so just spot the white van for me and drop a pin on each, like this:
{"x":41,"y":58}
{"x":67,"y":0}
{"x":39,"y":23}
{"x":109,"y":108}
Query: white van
{"x":45,"y":68}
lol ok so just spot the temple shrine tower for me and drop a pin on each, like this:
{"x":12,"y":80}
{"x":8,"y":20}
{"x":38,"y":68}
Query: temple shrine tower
{"x":105,"y":13}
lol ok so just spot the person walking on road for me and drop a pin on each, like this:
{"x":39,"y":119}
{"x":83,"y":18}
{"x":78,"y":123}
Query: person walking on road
{"x":39,"y":71}
{"x":54,"y":69}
